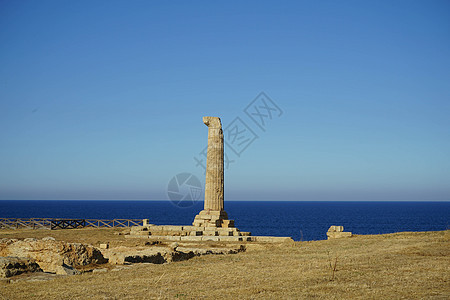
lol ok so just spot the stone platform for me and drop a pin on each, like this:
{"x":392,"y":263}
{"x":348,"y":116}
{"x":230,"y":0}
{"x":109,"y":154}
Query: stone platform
{"x":197,"y":234}
{"x":209,"y":218}
{"x":183,"y":231}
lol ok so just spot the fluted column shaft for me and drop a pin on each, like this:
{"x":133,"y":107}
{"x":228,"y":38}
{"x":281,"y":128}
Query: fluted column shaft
{"x":214,"y":185}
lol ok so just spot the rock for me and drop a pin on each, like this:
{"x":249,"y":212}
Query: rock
{"x":160,"y":255}
{"x":272,"y":239}
{"x":124,"y":255}
{"x":66,"y":270}
{"x":48,"y":238}
{"x":152,"y":243}
{"x":97,"y":271}
{"x":104,"y":246}
{"x":206,"y":251}
{"x":50,"y":254}
{"x":30,"y":240}
{"x":11,"y":266}
{"x":120,"y":268}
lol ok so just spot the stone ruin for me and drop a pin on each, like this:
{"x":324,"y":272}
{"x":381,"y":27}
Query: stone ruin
{"x":214,"y":215}
{"x":335,"y":232}
{"x":212,"y":223}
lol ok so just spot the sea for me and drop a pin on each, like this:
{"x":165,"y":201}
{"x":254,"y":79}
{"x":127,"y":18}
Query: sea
{"x":301,"y":220}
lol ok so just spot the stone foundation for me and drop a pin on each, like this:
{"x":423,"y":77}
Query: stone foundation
{"x":185,"y":231}
{"x":210,"y":218}
{"x":199,"y":234}
{"x":335,"y":232}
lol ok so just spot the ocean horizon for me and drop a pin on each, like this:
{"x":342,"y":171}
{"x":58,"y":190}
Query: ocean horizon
{"x":301,"y":220}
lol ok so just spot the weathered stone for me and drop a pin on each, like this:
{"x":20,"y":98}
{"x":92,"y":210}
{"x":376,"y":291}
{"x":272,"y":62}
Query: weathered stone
{"x":191,"y":238}
{"x":104,"y":246}
{"x":66,"y":270}
{"x":165,"y":238}
{"x":97,"y":271}
{"x":227,"y":223}
{"x":30,"y":240}
{"x":335,"y":232}
{"x":174,"y":246}
{"x":210,"y":238}
{"x":213,"y":213}
{"x":196,"y":233}
{"x":231,"y":239}
{"x":143,"y":233}
{"x":11,"y":266}
{"x":173,"y":228}
{"x":206,"y":251}
{"x":337,"y":235}
{"x":210,"y":233}
{"x":336,"y":229}
{"x":123,"y":255}
{"x":225,"y":233}
{"x":271,"y":239}
{"x":52,"y":254}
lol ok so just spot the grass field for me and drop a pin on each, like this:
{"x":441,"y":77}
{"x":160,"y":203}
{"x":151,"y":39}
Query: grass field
{"x":392,"y":266}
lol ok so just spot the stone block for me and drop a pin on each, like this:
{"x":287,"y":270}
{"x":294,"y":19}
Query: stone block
{"x":165,"y":238}
{"x":337,"y":235}
{"x":132,"y":236}
{"x":336,"y":229}
{"x":271,"y":239}
{"x":210,"y":233}
{"x":104,"y":246}
{"x":196,"y":233}
{"x":142,"y":233}
{"x":134,"y":229}
{"x":225,"y":232}
{"x":230,"y":238}
{"x":145,"y":222}
{"x":190,"y":228}
{"x":210,"y":229}
{"x":98,"y":271}
{"x":191,"y":238}
{"x":210,"y":238}
{"x":227,"y":223}
{"x":173,"y":228}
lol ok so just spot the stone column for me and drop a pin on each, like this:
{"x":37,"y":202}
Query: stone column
{"x":213,"y":214}
{"x":214,"y":165}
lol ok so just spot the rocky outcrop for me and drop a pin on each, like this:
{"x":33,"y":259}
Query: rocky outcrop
{"x":124,"y":255}
{"x":159,"y":255}
{"x":11,"y":266}
{"x":52,"y":256}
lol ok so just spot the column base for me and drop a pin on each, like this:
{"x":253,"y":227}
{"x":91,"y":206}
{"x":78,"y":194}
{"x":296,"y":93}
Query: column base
{"x":213,"y":218}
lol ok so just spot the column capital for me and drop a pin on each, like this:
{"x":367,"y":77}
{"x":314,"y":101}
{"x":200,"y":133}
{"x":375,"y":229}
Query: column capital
{"x":212,"y":122}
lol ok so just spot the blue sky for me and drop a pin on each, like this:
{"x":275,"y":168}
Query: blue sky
{"x":105,"y":99}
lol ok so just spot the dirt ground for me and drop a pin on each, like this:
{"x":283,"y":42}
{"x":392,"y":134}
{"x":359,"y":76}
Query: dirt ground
{"x":392,"y":266}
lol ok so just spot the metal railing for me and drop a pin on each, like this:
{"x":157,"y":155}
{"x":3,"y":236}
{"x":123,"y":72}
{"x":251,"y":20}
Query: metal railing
{"x":57,"y":223}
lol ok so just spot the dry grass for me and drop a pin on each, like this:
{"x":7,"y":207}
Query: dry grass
{"x":394,"y":266}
